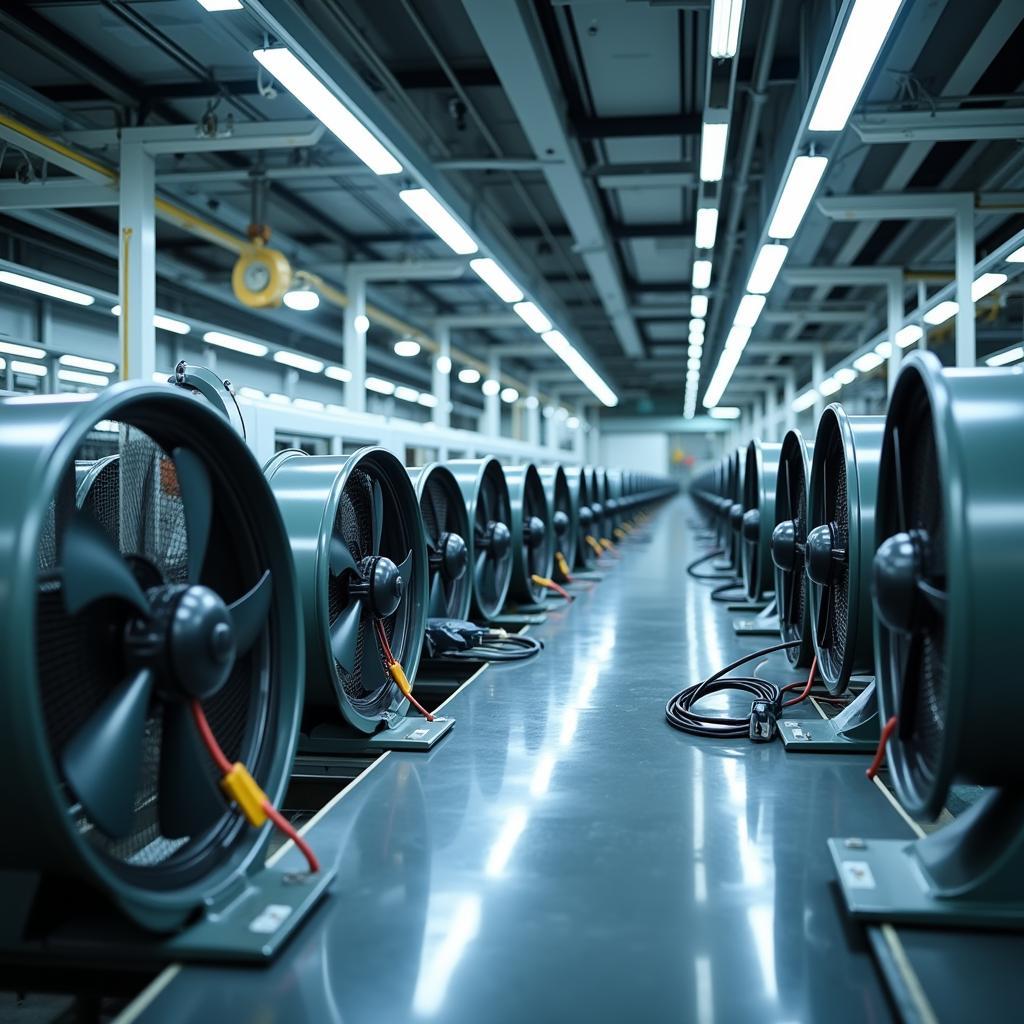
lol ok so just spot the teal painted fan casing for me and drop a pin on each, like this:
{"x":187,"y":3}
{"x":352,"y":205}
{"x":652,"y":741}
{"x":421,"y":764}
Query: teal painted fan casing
{"x":579,"y":492}
{"x":533,"y":543}
{"x":564,"y":515}
{"x":184,"y":587}
{"x":360,"y":556}
{"x":762,"y":465}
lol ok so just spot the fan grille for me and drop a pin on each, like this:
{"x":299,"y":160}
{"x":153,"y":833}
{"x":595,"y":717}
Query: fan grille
{"x":796,"y":600}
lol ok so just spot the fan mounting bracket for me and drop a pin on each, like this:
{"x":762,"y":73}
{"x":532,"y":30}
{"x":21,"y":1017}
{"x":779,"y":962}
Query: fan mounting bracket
{"x":405,"y":732}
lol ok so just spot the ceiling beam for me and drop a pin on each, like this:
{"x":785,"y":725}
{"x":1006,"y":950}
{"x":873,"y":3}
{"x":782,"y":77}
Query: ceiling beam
{"x":638,"y":127}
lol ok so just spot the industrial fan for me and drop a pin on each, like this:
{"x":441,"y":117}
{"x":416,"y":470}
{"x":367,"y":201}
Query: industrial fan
{"x":564,"y":521}
{"x":840,"y":546}
{"x":483,"y":487}
{"x":947,"y":579}
{"x":788,"y":544}
{"x":446,"y":525}
{"x":762,"y":464}
{"x":616,"y":506}
{"x":360,"y":553}
{"x":734,"y":542}
{"x":163,"y":637}
{"x":579,"y":492}
{"x":533,"y":550}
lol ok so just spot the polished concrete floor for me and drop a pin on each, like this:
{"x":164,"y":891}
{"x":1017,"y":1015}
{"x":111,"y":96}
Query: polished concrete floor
{"x":563,"y":855}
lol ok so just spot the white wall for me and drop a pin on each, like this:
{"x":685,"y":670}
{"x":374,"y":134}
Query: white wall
{"x":645,"y":453}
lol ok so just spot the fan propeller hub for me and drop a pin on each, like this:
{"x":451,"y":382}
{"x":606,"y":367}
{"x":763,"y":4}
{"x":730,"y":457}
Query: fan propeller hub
{"x":498,"y":540}
{"x":560,"y":521}
{"x":784,"y":545}
{"x":736,"y":516}
{"x":897,"y":569}
{"x":385,"y":585}
{"x":586,"y":516}
{"x":822,"y":554}
{"x":533,"y":532}
{"x":751,"y":524}
{"x":454,"y":556}
{"x":597,"y":510}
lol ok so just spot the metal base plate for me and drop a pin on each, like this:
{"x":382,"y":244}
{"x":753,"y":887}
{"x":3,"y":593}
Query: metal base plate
{"x":521,"y":618}
{"x":587,"y":576}
{"x":882,"y":881}
{"x":753,"y":627}
{"x":745,"y":606}
{"x":819,"y":735}
{"x":411,"y":732}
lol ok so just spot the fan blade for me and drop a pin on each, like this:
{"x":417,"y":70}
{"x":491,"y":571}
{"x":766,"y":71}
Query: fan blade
{"x":437,"y":609}
{"x":373,"y":676}
{"x":249,"y":613}
{"x":341,"y":557}
{"x":936,"y":596}
{"x":102,"y":760}
{"x":189,"y":801}
{"x":197,"y":501}
{"x":484,"y":499}
{"x":897,"y":458}
{"x":377,"y":516}
{"x":909,"y":689}
{"x":787,"y":490}
{"x":94,"y":569}
{"x":345,"y":637}
{"x":793,"y":599}
{"x":436,"y":513}
{"x":490,"y":580}
{"x":478,"y":571}
{"x":824,"y":616}
{"x":405,"y":570}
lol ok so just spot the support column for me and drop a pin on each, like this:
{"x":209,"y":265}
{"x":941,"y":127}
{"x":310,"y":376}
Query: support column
{"x":579,"y":435}
{"x":594,"y":446}
{"x":532,"y":414}
{"x":788,"y":395}
{"x":894,"y":295}
{"x":551,"y":424}
{"x":441,"y":382}
{"x":922,"y":298}
{"x":137,"y":262}
{"x":817,"y":376}
{"x":354,"y":343}
{"x":492,"y":403}
{"x":966,"y":351}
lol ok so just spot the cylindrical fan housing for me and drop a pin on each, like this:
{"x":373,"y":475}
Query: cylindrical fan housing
{"x":840,"y":543}
{"x":583,"y":517}
{"x":533,"y":550}
{"x":64,"y":665}
{"x":564,"y":524}
{"x":762,"y":466}
{"x":327,"y":500}
{"x":957,"y":493}
{"x":449,"y":541}
{"x":483,"y":487}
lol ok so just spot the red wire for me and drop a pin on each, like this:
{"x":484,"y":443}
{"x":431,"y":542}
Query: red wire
{"x":880,"y":750}
{"x":560,"y":591}
{"x":806,"y":689}
{"x":392,"y":660}
{"x":224,"y":766}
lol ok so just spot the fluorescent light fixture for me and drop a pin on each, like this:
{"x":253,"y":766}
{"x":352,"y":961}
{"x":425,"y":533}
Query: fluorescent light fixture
{"x":469,"y":375}
{"x":276,"y":396}
{"x":32,"y":369}
{"x":766,"y":268}
{"x":168,"y":323}
{"x":804,"y":400}
{"x":361,"y":323}
{"x":726,"y":16}
{"x":428,"y":208}
{"x":845,"y":375}
{"x":338,"y":373}
{"x":694,"y":351}
{"x":701,"y":276}
{"x":797,"y":193}
{"x":406,"y":393}
{"x":509,"y":395}
{"x":222,"y":340}
{"x":868,"y":362}
{"x":941,"y":313}
{"x":697,"y":325}
{"x":532,"y":317}
{"x":298,"y":361}
{"x":585,"y":373}
{"x":407,"y":348}
{"x":906,"y":336}
{"x":308,"y":403}
{"x":214,"y":6}
{"x":706,"y":227}
{"x":490,"y":387}
{"x":829,"y":386}
{"x":1017,"y":256}
{"x":693,"y":363}
{"x":714,"y":139}
{"x":692,"y":376}
{"x":573,"y":423}
{"x":532,"y":401}
{"x":561,"y":413}
{"x":985,"y":284}
{"x":884,"y":349}
{"x":1011,"y":355}
{"x":737,"y":337}
{"x":496,"y":279}
{"x":381,"y":387}
{"x":723,"y":374}
{"x":863,"y":35}
{"x":159,"y":376}
{"x":54,"y":291}
{"x":107,"y":427}
{"x":248,"y":392}
{"x":698,"y":306}
{"x":301,"y":299}
{"x":28,"y":351}
{"x":443,"y":365}
{"x":696,"y":339}
{"x":327,"y":108}
{"x":749,"y":310}
{"x":724,"y":412}
{"x":78,"y":377}
{"x":427,"y":400}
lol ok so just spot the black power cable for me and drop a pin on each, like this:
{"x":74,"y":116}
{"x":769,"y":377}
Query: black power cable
{"x":765,"y":709}
{"x":691,"y":568}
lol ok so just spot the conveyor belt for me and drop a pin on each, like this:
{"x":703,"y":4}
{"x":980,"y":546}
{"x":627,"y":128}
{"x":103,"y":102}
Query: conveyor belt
{"x":563,"y":855}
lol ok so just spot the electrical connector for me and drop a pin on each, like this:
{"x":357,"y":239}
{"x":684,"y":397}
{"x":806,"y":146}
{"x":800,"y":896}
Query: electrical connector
{"x":448,"y":636}
{"x":242,"y":788}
